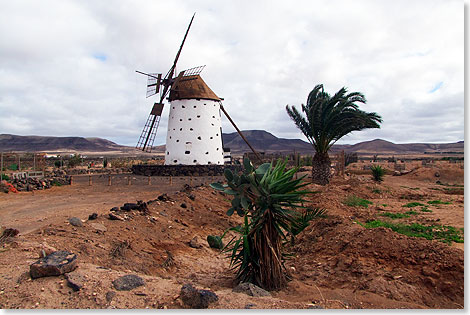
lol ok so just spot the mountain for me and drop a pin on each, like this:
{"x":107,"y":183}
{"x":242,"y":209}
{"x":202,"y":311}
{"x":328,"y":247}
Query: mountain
{"x":261,"y":140}
{"x":49,"y":144}
{"x":266,"y":142}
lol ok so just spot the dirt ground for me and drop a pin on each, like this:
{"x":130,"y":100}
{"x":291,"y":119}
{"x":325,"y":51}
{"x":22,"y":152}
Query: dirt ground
{"x":336,"y":262}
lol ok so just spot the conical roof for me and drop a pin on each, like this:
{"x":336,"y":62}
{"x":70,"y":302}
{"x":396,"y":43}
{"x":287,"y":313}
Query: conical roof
{"x":192,"y":87}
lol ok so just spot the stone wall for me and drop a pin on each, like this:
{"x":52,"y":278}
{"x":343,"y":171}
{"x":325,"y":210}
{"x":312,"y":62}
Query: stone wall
{"x":180,"y":170}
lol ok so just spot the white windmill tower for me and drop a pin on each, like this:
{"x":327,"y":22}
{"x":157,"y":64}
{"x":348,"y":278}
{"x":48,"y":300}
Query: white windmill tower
{"x":194,"y":125}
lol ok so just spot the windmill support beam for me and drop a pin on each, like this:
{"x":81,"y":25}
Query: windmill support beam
{"x":239,"y":132}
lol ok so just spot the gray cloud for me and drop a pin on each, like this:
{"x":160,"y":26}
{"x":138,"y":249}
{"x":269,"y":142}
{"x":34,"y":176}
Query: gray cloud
{"x":67,"y":67}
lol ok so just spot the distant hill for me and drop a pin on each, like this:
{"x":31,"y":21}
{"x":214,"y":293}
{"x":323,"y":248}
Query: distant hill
{"x":49,"y":144}
{"x":266,"y":142}
{"x":261,"y":140}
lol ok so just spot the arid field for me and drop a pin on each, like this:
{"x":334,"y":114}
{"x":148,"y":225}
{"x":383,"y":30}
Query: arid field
{"x":349,"y":259}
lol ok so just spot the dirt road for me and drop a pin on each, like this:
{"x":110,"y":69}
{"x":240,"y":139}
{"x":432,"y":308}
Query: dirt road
{"x":27,"y":211}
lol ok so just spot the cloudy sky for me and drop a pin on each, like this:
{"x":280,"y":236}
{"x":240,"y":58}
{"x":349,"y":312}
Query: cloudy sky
{"x":67,"y":68}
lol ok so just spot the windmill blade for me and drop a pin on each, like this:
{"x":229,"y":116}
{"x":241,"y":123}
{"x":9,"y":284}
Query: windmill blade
{"x":169,"y":76}
{"x":153,"y":84}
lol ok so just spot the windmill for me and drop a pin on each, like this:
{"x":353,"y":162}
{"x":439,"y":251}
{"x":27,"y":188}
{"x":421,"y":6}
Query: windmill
{"x":194,"y":134}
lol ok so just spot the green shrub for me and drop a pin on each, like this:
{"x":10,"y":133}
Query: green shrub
{"x":439,"y":202}
{"x":75,"y":160}
{"x":413,"y":204}
{"x":377,"y":173}
{"x":425,"y":209}
{"x":393,"y":215}
{"x":5,"y":177}
{"x":13,"y":167}
{"x":443,"y":233}
{"x":354,"y":201}
{"x":266,"y":198}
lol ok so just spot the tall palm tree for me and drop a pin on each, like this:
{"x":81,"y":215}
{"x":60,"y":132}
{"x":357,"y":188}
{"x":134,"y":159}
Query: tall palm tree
{"x":327,"y":119}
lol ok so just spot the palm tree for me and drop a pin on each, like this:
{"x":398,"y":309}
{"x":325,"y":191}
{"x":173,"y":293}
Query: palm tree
{"x":327,"y":119}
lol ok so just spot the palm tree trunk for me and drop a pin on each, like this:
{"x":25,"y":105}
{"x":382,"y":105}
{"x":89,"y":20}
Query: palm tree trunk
{"x":321,"y":169}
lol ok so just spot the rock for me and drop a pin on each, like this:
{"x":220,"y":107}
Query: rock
{"x":195,"y":298}
{"x":345,"y":187}
{"x":110,"y":295}
{"x":183,"y":205}
{"x":192,"y":197}
{"x":75,"y":221}
{"x":93,"y":216}
{"x":113,"y":216}
{"x":251,"y":290}
{"x":195,"y":243}
{"x":75,"y":280}
{"x":130,"y":206}
{"x":54,"y":264}
{"x":249,"y":306}
{"x":437,"y":174}
{"x":215,"y":242}
{"x":396,"y":173}
{"x":128,"y":282}
{"x":98,"y":226}
{"x":114,"y":209}
{"x":45,"y":249}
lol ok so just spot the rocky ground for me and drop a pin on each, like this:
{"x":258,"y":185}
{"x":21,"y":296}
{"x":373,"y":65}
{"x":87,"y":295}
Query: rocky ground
{"x":161,"y":248}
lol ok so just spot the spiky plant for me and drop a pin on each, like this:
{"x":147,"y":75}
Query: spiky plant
{"x":377,"y":173}
{"x":267,"y":198}
{"x":327,"y":119}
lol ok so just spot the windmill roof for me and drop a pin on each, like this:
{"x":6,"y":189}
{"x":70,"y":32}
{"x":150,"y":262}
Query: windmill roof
{"x":190,"y":87}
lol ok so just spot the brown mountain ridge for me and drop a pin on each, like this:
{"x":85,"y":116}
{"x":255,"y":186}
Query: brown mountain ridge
{"x":261,"y":140}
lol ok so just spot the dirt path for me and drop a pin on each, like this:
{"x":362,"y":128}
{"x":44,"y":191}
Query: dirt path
{"x":27,"y":211}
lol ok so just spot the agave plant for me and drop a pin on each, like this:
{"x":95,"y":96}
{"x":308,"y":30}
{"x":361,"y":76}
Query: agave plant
{"x":377,"y":173}
{"x":268,"y":198}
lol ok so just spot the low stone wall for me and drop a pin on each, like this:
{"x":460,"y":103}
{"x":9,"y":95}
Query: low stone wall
{"x":179,"y":170}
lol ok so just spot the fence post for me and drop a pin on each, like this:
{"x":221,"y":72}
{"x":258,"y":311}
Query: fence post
{"x":71,"y":180}
{"x":1,"y":166}
{"x":128,"y":180}
{"x":109,"y":180}
{"x":89,"y":180}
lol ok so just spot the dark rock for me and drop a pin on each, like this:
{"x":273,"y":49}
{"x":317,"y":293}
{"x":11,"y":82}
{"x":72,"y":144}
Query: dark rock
{"x":251,"y":290}
{"x":114,"y":209}
{"x":128,"y":282}
{"x":195,"y":243}
{"x":183,"y":205}
{"x":54,"y":264}
{"x":130,"y":206}
{"x":9,"y":233}
{"x":215,"y":242}
{"x":75,"y":221}
{"x":93,"y":216}
{"x":75,"y":280}
{"x":195,"y":298}
{"x":437,"y":174}
{"x":192,"y":197}
{"x":110,"y":295}
{"x":164,"y":197}
{"x":249,"y":306}
{"x":113,"y":216}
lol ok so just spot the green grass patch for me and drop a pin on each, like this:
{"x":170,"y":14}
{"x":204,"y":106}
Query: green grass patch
{"x":392,"y":215}
{"x":413,"y":204}
{"x":354,"y":201}
{"x":376,"y":191}
{"x":55,"y":183}
{"x":384,"y":205}
{"x":425,"y":209}
{"x":439,"y":202}
{"x":443,"y":233}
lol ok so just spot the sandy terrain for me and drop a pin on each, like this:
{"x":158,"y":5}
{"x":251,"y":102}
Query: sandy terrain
{"x":336,"y":262}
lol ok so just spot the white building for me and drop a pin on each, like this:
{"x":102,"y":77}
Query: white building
{"x":194,"y":126}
